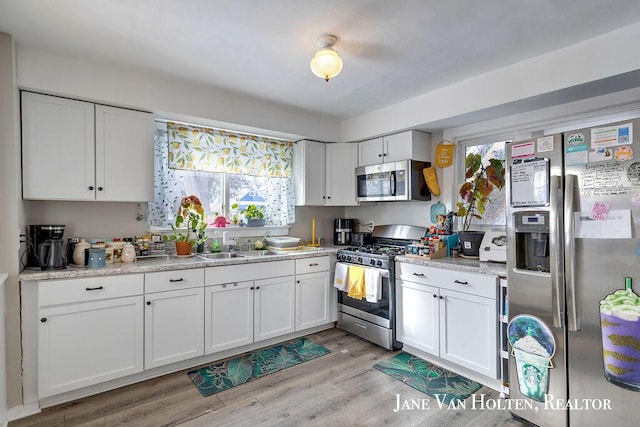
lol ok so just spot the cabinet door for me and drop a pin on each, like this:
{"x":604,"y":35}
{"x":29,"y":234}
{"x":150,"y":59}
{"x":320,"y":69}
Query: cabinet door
{"x":398,"y":146}
{"x":57,"y":148}
{"x":341,"y":162}
{"x":370,"y":152}
{"x":274,"y":307}
{"x":417,"y":317}
{"x":174,"y":326}
{"x":309,"y":173}
{"x":468,"y":331}
{"x":228,"y":313}
{"x":312,"y":300}
{"x":124,"y":155}
{"x":84,"y":344}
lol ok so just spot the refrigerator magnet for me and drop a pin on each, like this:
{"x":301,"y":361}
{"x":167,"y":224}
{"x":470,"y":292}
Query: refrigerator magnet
{"x":623,"y":154}
{"x":545,"y":144}
{"x":633,"y":172}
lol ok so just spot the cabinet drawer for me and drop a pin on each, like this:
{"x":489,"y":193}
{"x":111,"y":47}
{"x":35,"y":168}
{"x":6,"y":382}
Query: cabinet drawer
{"x":53,"y":292}
{"x":312,"y":265}
{"x":418,"y":273}
{"x":172,"y":280}
{"x":483,"y":285}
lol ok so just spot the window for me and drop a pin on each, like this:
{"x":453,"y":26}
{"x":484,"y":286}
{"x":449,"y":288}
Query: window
{"x":224,"y":170}
{"x":495,"y":213}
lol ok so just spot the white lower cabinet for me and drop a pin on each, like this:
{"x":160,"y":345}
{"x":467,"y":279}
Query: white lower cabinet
{"x":174,"y":326}
{"x":89,"y":343}
{"x":273,"y":304}
{"x":468,"y":331}
{"x":419,"y":310}
{"x":228,"y":316}
{"x":240,"y":313}
{"x":312,"y":300}
{"x":96,"y":329}
{"x":450,"y":315}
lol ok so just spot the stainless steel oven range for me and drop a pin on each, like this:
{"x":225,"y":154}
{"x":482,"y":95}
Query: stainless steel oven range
{"x":375,"y":322}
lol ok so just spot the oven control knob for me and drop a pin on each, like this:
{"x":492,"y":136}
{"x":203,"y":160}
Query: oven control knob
{"x":372,"y":262}
{"x":348,"y":257}
{"x":379,"y":263}
{"x":359,"y":260}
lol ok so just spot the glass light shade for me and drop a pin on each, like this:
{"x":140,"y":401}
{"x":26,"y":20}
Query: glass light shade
{"x":326,"y":64}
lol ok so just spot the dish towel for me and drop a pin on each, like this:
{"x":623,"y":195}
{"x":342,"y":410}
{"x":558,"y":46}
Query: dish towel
{"x":340,"y":276}
{"x":356,"y":282}
{"x":373,"y":284}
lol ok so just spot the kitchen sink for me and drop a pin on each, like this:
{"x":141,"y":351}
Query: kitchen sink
{"x":254,"y":254}
{"x":222,"y":255}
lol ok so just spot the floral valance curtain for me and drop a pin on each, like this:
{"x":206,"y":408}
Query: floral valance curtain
{"x":214,"y":150}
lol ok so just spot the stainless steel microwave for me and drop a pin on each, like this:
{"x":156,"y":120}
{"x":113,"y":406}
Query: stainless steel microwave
{"x":401,"y":180}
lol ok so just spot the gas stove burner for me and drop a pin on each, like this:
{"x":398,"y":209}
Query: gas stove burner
{"x":377,"y":250}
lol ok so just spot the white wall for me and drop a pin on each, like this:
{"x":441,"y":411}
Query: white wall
{"x":89,"y":219}
{"x":411,"y":213}
{"x":591,"y":60}
{"x":166,"y":96}
{"x":12,"y":214}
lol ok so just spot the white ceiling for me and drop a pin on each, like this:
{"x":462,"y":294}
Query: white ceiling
{"x":392,"y":50}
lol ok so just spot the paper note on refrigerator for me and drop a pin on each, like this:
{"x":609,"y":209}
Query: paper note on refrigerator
{"x":617,"y":225}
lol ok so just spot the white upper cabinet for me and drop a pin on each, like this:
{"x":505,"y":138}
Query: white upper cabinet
{"x":340,"y":183}
{"x":58,"y":151}
{"x":76,"y":150}
{"x":308,"y":173}
{"x":324,"y":174}
{"x":124,"y":155}
{"x":409,"y":145}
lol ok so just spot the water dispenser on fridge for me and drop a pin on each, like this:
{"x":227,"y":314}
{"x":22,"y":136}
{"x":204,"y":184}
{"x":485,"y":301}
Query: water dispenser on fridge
{"x":532,"y":240}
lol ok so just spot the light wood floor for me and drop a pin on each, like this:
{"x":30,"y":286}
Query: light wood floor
{"x":338,"y":389}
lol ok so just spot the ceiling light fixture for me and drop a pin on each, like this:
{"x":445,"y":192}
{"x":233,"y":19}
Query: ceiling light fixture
{"x":327,"y":63}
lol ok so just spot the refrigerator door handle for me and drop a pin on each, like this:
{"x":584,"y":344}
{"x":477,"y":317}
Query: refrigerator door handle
{"x":569,"y":252}
{"x":554,"y":238}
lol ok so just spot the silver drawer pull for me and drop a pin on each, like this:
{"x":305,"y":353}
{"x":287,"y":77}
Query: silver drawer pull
{"x":419,"y":274}
{"x":315,"y":264}
{"x":176,"y":280}
{"x":97,"y":288}
{"x":360,"y":324}
{"x":460,"y":283}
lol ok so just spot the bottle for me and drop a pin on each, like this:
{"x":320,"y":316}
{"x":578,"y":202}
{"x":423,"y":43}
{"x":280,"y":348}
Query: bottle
{"x":78,"y":252}
{"x":215,"y":244}
{"x":128,"y":253}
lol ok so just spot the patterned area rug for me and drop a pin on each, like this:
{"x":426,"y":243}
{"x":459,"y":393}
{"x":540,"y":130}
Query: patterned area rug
{"x":230,"y":373}
{"x":428,"y":378}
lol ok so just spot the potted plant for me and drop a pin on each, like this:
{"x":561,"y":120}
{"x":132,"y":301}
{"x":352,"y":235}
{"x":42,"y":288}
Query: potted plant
{"x":254,"y":216}
{"x":189,"y":226}
{"x":475,"y":194}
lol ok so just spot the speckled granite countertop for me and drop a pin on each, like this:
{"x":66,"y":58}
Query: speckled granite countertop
{"x":459,"y":264}
{"x":173,"y":263}
{"x":166,"y":264}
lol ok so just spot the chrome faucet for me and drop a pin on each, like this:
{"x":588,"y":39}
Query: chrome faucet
{"x":228,"y":241}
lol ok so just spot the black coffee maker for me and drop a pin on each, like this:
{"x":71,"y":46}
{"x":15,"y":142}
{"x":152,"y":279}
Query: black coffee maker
{"x":342,"y":230}
{"x":46,"y":247}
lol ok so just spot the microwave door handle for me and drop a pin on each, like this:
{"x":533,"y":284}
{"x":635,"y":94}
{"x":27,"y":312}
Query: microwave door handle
{"x":392,"y":182}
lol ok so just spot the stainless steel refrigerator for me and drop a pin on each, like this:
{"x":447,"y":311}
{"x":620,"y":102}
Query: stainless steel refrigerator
{"x":573,"y":221}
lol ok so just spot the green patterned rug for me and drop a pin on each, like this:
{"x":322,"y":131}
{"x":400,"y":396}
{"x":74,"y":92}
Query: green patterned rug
{"x":230,"y":373}
{"x":428,"y":378}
